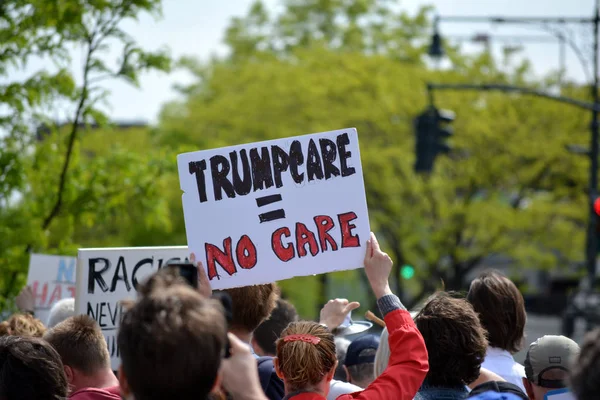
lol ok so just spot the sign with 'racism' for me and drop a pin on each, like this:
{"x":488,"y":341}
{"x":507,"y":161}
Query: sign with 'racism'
{"x":267,"y":211}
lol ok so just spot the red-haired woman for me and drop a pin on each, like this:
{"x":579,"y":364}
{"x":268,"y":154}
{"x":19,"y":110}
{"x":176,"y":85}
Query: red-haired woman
{"x":306,"y":358}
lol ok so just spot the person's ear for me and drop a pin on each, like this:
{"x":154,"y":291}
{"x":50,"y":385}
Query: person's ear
{"x":123,"y":384}
{"x":217,"y":385}
{"x":331,"y":373}
{"x":348,"y":377}
{"x":528,"y":388}
{"x":257,"y":349}
{"x":277,"y":370}
{"x":69,"y":374}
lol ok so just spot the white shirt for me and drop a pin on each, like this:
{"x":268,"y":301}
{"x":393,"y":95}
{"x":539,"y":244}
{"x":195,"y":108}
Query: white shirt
{"x":502,"y":363}
{"x":338,"y":388}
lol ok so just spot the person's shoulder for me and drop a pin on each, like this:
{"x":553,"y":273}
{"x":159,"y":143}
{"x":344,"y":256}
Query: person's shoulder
{"x":519,"y":369}
{"x":340,"y":388}
{"x":111,"y":393}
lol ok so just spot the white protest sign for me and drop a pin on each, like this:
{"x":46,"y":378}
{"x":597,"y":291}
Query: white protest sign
{"x":51,"y":278}
{"x":267,"y":211}
{"x":107,"y":276}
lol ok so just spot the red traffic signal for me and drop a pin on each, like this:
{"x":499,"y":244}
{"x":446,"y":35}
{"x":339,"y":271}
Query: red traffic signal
{"x":597,"y":206}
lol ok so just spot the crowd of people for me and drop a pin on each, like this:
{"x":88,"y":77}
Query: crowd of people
{"x":177,"y":341}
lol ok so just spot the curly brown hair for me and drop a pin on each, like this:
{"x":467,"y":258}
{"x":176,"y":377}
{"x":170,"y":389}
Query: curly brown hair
{"x":455,"y":340}
{"x":303,"y":365}
{"x":22,"y":325}
{"x":585,"y":371}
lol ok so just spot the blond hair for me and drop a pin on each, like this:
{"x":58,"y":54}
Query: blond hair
{"x":303,"y":364}
{"x":382,"y":357}
{"x":22,"y":325}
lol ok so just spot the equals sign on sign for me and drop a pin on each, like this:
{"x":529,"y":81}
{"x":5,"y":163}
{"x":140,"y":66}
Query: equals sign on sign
{"x":270,"y":215}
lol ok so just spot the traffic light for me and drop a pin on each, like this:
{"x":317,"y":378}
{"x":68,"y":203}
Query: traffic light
{"x":407,"y":271}
{"x":431,"y":130}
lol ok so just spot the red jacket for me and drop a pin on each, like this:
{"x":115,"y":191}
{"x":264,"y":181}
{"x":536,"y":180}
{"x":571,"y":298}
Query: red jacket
{"x":111,"y":393}
{"x":406,"y":369}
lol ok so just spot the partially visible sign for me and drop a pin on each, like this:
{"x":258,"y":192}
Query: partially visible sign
{"x":52,"y":278}
{"x":107,"y":276}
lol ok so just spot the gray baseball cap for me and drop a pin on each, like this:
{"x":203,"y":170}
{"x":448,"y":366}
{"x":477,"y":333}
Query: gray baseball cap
{"x":549,"y":353}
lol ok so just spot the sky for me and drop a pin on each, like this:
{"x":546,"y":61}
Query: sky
{"x":196,"y":27}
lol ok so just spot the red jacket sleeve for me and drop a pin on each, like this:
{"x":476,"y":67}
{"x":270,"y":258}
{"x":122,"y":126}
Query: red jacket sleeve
{"x":407,"y":366}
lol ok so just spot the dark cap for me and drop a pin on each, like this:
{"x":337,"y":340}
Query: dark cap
{"x":549,"y":353}
{"x":485,"y":391}
{"x":357,"y":346}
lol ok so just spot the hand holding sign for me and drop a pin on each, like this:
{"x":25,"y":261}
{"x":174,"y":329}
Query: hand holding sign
{"x":26,"y":300}
{"x":203,"y":281}
{"x":378,"y":266}
{"x":335,"y":311}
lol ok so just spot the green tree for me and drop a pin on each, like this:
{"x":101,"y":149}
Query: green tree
{"x":509,"y":188}
{"x":45,"y":188}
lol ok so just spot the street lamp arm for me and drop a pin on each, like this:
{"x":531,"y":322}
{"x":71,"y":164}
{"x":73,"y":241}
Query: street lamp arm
{"x":510,"y":89}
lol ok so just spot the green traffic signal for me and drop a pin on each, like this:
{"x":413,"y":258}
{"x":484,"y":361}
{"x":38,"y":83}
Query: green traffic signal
{"x":407,"y":271}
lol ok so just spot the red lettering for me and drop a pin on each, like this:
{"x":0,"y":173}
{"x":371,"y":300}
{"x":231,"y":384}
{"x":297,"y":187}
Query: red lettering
{"x":224,"y":259}
{"x":40,"y":298}
{"x":348,"y":239}
{"x":284,"y":253}
{"x":303,"y":237}
{"x":56,"y":295}
{"x":246,"y":252}
{"x":325,"y":224}
{"x":71,"y":290}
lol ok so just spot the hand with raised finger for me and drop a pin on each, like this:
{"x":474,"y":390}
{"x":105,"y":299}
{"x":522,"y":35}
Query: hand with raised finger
{"x":378,"y":266}
{"x":335,"y":311}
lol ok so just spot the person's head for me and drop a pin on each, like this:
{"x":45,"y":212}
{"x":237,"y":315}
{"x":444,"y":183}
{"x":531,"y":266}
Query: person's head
{"x":251,"y":306}
{"x":382,"y":356}
{"x":171,"y":340}
{"x":501,"y":309}
{"x":83,"y":351}
{"x":341,"y":348}
{"x":547,"y":365}
{"x":267,"y":333}
{"x":60,"y":311}
{"x":360,"y":359}
{"x":585,"y":371}
{"x":30,"y":369}
{"x":454,"y":338}
{"x":306,"y":358}
{"x":22,"y":325}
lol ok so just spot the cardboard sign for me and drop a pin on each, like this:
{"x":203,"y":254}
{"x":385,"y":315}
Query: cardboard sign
{"x":268,"y":211}
{"x":51,"y":278}
{"x":107,"y":276}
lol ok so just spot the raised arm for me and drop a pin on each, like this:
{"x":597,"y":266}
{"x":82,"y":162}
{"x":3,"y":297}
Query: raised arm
{"x":408,"y":364}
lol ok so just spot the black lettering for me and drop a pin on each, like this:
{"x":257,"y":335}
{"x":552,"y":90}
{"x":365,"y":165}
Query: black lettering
{"x":134,"y":280}
{"x":296,"y":158}
{"x":113,"y":315}
{"x":342,"y":141}
{"x":118,"y":277}
{"x":329,"y":154}
{"x":280,"y":164}
{"x":241,"y":186}
{"x":90,"y":311}
{"x":219,"y":168}
{"x":95,"y":276}
{"x":313,"y":162}
{"x":102,"y":315}
{"x":198,"y":168}
{"x":262,"y":176}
